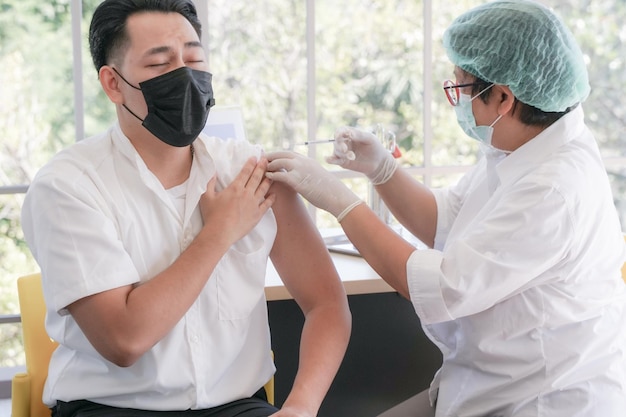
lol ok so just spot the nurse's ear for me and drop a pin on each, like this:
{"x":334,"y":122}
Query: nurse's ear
{"x":503,"y":95}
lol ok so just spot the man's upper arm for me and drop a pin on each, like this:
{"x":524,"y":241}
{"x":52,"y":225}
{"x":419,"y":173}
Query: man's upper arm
{"x":299,"y":253}
{"x":87,"y":256}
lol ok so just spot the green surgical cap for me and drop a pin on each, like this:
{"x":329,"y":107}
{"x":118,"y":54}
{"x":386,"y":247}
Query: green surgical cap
{"x":523,"y":45}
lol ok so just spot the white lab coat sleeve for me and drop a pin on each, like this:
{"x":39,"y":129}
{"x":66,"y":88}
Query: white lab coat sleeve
{"x":499,"y":253}
{"x":424,"y":277}
{"x":424,"y":273}
{"x":449,"y":202}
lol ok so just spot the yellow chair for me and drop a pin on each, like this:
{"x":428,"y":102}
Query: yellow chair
{"x":27,"y":388}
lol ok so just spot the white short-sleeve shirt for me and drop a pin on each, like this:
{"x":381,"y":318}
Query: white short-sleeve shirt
{"x":95,"y":219}
{"x":523,"y":292}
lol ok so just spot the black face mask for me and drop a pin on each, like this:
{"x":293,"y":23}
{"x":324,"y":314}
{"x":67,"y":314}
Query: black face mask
{"x":178,"y":104}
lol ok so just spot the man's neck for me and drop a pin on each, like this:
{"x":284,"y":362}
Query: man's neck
{"x":170,"y":164}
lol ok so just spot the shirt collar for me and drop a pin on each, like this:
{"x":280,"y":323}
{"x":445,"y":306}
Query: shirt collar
{"x":203,"y":167}
{"x":527,"y":156}
{"x":123,"y":144}
{"x":126,"y":148}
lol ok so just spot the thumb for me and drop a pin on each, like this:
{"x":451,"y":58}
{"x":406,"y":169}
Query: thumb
{"x":280,"y":164}
{"x":284,"y":177}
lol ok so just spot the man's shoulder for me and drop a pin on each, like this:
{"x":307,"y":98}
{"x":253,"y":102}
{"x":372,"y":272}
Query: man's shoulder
{"x":77,"y":158}
{"x":236,"y":147}
{"x":229,"y":155}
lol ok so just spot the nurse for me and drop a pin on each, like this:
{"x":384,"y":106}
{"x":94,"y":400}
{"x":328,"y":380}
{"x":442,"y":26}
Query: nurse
{"x":521,"y":286}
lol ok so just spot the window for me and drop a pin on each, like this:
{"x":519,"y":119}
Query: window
{"x":298,"y":69}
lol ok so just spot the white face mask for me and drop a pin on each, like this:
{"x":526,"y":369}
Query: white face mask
{"x":465,"y":117}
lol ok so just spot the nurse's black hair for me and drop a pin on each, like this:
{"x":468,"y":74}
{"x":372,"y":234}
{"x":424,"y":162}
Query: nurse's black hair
{"x":107,"y":31}
{"x":528,"y":114}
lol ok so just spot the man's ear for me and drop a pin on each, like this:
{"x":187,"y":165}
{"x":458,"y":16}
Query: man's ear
{"x":505,"y":97}
{"x":110,"y":84}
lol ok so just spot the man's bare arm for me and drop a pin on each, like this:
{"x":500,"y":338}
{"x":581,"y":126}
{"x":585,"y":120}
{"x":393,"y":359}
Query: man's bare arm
{"x":304,"y":264}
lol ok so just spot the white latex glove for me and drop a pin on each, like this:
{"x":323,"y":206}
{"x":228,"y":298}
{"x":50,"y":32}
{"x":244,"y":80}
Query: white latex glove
{"x":361,"y":151}
{"x":312,"y":181}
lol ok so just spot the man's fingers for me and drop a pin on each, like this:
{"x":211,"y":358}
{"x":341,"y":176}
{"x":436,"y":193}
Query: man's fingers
{"x":246,"y":171}
{"x":263,"y":188}
{"x":257,"y":175}
{"x":267,"y":202}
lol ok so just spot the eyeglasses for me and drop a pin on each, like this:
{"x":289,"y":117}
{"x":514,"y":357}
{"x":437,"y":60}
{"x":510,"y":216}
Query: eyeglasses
{"x":453,"y":91}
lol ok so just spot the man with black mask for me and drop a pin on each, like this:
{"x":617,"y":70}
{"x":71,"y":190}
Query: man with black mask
{"x":153,"y":241}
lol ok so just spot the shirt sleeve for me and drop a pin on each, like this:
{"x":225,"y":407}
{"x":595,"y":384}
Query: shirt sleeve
{"x":424,"y":273}
{"x":510,"y":247}
{"x":74,"y":241}
{"x":449,"y":201}
{"x":230,"y":156}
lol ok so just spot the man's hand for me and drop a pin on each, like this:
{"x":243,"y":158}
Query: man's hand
{"x":240,"y":206}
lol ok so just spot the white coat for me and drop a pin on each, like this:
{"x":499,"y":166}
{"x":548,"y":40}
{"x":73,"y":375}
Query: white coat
{"x":523,"y":292}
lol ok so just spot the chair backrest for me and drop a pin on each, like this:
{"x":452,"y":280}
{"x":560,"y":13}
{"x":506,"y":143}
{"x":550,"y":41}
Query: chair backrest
{"x":38,"y":346}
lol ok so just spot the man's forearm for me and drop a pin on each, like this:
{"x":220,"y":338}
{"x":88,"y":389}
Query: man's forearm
{"x":324,"y":340}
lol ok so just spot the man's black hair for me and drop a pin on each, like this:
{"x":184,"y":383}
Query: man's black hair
{"x":107,"y":32}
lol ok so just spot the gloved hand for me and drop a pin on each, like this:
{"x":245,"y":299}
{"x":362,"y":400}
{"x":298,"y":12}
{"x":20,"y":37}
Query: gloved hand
{"x":312,"y":181}
{"x":361,"y":151}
